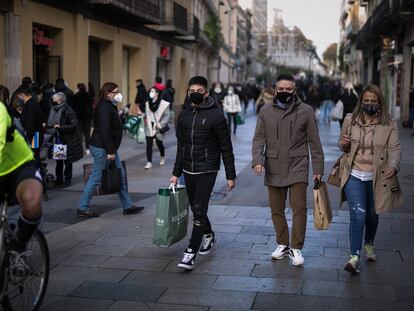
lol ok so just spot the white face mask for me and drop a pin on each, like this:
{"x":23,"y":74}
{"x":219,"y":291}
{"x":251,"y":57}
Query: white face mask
{"x":230,"y":92}
{"x":152,"y":94}
{"x":118,"y":98}
{"x":217,"y":90}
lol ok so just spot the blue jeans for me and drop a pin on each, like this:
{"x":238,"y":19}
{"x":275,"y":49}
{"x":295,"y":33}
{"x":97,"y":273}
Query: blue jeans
{"x":360,"y":196}
{"x":99,"y":162}
{"x":326,"y":110}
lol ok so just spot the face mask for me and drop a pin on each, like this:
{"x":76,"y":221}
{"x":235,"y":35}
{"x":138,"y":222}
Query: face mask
{"x":285,"y":97}
{"x":370,"y":109}
{"x":152,"y":94}
{"x":197,"y":98}
{"x":217,"y":90}
{"x":118,"y":98}
{"x":20,"y":102}
{"x":230,"y":92}
{"x":55,"y":103}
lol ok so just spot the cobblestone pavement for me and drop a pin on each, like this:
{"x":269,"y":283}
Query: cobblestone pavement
{"x":109,"y":263}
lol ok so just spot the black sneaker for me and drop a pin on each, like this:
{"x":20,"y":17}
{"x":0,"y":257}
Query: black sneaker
{"x":207,"y":244}
{"x":133,"y":210}
{"x":87,"y":214}
{"x":188,"y":259}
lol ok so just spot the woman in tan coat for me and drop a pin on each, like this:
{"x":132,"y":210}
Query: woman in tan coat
{"x":266,"y":97}
{"x":369,"y":167}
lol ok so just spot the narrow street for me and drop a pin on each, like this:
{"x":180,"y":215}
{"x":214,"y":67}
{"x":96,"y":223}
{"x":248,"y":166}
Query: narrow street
{"x":109,"y":263}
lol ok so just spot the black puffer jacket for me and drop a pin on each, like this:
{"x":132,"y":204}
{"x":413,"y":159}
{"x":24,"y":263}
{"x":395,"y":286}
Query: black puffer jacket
{"x":202,"y":137}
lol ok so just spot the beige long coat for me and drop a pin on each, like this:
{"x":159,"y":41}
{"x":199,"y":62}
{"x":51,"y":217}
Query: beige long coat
{"x":387,"y":152}
{"x":282,"y":141}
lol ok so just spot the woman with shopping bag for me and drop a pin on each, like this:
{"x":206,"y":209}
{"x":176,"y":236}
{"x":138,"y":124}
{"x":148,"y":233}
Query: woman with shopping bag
{"x":368,"y":170}
{"x":105,"y":142}
{"x":62,"y":131}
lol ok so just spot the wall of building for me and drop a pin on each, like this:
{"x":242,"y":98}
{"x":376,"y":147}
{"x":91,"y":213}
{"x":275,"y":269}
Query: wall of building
{"x":406,"y":74}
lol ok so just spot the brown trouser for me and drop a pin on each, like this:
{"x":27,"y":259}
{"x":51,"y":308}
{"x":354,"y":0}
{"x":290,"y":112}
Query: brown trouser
{"x":297,"y":201}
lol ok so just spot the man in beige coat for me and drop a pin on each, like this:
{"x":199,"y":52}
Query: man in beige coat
{"x":285,"y":131}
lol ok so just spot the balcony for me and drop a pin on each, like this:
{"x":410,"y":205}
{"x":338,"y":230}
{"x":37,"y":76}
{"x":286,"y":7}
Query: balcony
{"x":174,"y":19}
{"x":194,"y":34}
{"x":147,"y":11}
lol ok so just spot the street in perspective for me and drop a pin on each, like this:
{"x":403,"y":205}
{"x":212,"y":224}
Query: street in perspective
{"x":206,"y":155}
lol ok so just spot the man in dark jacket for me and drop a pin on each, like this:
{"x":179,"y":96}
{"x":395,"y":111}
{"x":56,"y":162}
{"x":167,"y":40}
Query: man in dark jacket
{"x":202,"y":138}
{"x":142,"y":96}
{"x":61,"y":86}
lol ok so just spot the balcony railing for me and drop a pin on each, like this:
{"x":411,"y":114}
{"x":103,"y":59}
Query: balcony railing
{"x":149,"y":11}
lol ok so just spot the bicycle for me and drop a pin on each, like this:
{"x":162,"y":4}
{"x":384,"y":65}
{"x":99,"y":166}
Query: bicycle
{"x":23,"y":276}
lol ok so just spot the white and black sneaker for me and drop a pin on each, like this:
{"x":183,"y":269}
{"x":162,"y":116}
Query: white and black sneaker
{"x":281,"y":252}
{"x":207,"y":244}
{"x":188,"y":261}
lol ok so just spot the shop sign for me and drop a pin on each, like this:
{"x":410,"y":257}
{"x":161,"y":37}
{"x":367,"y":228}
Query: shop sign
{"x":39,"y":38}
{"x":165,"y":52}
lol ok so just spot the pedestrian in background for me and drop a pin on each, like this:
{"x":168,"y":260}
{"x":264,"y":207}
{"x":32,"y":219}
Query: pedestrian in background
{"x":371,"y":160}
{"x":284,"y":133}
{"x":169,"y":93}
{"x":266,"y":98}
{"x":158,"y":84}
{"x":83,"y":107}
{"x":231,"y":106}
{"x":62,"y":125}
{"x":61,"y":86}
{"x":105,"y":142}
{"x":217,"y":94}
{"x":47,"y":90}
{"x":157,"y":116}
{"x":202,"y":139}
{"x":349,"y":98}
{"x":140,"y":98}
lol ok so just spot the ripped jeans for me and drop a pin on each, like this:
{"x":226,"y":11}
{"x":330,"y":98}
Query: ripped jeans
{"x":360,"y":196}
{"x":199,"y":188}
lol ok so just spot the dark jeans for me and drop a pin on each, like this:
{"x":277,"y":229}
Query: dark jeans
{"x":199,"y":188}
{"x":60,"y":173}
{"x":231,"y":116}
{"x":85,"y":130}
{"x":36,"y":155}
{"x":360,"y":196}
{"x":160,"y":145}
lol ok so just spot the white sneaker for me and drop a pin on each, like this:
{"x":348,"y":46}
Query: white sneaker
{"x":188,"y":261}
{"x":148,"y":165}
{"x":296,"y":257}
{"x":88,"y":152}
{"x":207,"y":243}
{"x":281,"y":252}
{"x":162,"y":161}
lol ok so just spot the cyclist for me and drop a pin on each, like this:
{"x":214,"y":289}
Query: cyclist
{"x":19,"y":178}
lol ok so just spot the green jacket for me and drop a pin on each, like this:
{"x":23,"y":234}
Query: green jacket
{"x":12,"y":154}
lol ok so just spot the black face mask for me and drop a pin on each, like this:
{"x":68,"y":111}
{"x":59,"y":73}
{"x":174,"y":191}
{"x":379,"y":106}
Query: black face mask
{"x":370,"y":109}
{"x":55,"y":103}
{"x":197,"y":98}
{"x":285,"y":97}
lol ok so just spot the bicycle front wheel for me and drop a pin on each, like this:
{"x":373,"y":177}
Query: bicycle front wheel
{"x":27,"y":276}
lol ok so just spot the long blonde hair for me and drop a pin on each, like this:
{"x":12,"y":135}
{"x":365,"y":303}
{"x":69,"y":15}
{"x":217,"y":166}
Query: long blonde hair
{"x":383,"y":115}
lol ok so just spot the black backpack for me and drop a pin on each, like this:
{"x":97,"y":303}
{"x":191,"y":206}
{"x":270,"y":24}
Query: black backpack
{"x":16,"y":125}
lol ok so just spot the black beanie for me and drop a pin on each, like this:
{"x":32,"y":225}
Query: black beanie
{"x":198,"y":80}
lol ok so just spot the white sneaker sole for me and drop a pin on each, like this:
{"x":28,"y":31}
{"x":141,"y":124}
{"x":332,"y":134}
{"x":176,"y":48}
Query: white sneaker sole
{"x":280,"y":257}
{"x":371,"y":258}
{"x":207,"y":252}
{"x":185,"y":266}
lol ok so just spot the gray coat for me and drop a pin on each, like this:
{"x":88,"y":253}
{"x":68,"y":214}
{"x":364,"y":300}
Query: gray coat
{"x":282,"y":141}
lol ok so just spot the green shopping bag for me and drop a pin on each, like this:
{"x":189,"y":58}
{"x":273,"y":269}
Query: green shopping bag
{"x":140,"y":137}
{"x":239,"y":119}
{"x":171,"y":219}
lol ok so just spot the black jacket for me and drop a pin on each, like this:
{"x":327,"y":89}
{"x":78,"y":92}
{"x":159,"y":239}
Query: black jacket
{"x":202,"y":137}
{"x":107,"y":133}
{"x":32,"y":120}
{"x":141,"y":97}
{"x":83,"y":106}
{"x":350,"y":100}
{"x":69,"y":134}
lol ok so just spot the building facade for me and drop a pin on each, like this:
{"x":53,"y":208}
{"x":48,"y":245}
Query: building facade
{"x":104,"y":40}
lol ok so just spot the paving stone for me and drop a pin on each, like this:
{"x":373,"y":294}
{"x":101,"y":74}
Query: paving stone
{"x":406,"y":228}
{"x":59,"y":303}
{"x":139,"y":306}
{"x":61,"y":287}
{"x":346,"y":290}
{"x":218,"y":266}
{"x":390,"y":276}
{"x":252,"y":238}
{"x":208,"y":297}
{"x":255,"y":214}
{"x":232,"y":248}
{"x":227,"y":228}
{"x":373,"y":305}
{"x":236,"y":221}
{"x":165,"y":279}
{"x":108,"y":250}
{"x":253,"y":284}
{"x":285,"y":270}
{"x":87,"y":274}
{"x":405,"y":293}
{"x":129,"y":306}
{"x":157,"y":252}
{"x":126,"y":241}
{"x":118,"y":291}
{"x":226,"y":237}
{"x":261,"y":230}
{"x":145,"y":264}
{"x":85,"y":260}
{"x":266,"y":301}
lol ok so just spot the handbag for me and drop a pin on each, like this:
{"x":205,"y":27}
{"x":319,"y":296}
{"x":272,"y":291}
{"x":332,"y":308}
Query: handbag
{"x":59,"y":150}
{"x":338,"y":111}
{"x":164,"y":129}
{"x":334,"y":178}
{"x":111,"y":181}
{"x":322,"y":213}
{"x":239,"y":119}
{"x":87,"y":172}
{"x":171,"y":219}
{"x":141,"y":132}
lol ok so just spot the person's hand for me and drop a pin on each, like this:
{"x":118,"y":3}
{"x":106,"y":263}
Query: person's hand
{"x":258,"y":169}
{"x":158,"y":126}
{"x":345,"y":141}
{"x":57,"y":126}
{"x":44,"y":125}
{"x":111,"y":156}
{"x":391,"y":171}
{"x":317,"y":177}
{"x":173,"y":180}
{"x":231,"y":183}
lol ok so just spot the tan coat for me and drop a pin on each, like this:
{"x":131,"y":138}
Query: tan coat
{"x":387,"y":152}
{"x":281,"y":143}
